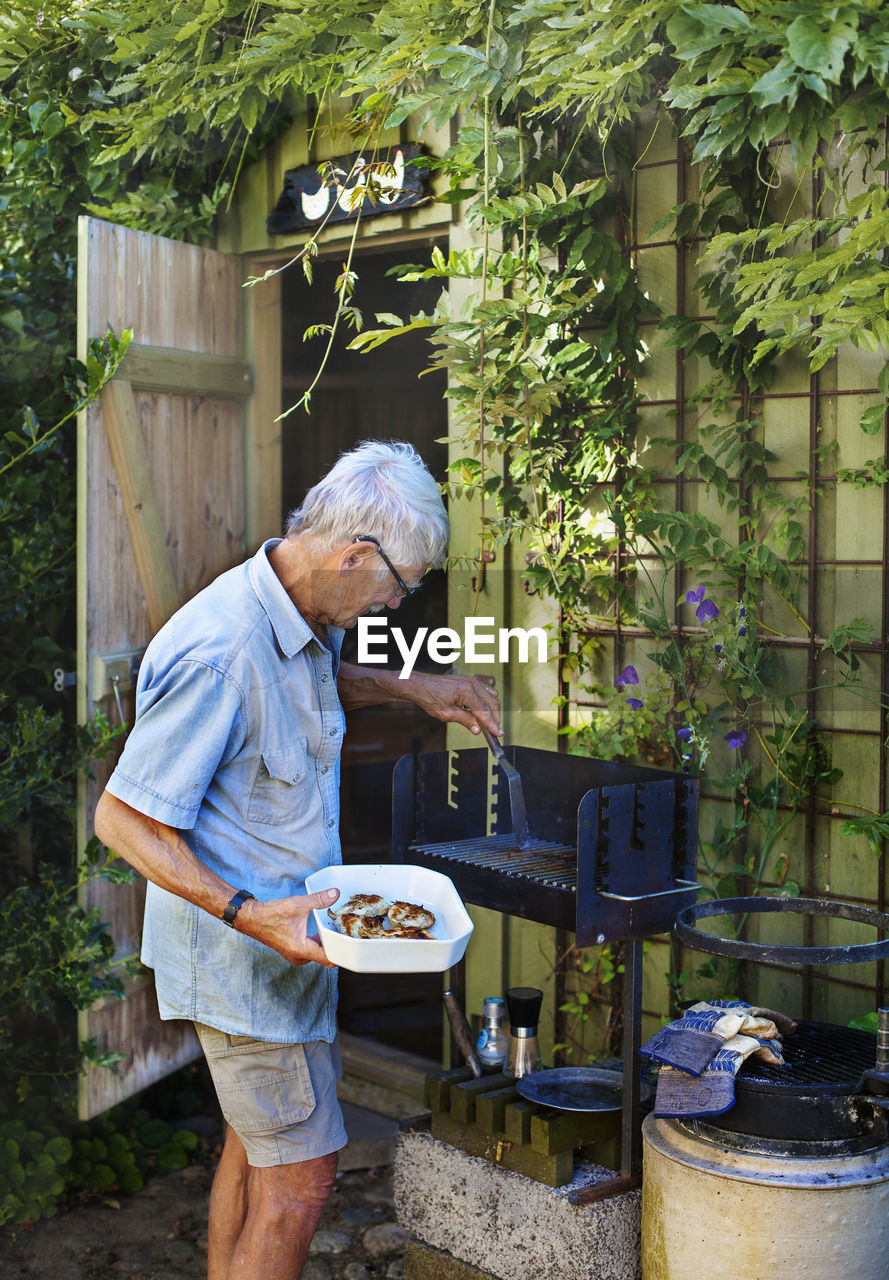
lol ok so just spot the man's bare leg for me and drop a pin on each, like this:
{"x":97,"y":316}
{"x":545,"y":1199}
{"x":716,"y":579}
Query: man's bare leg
{"x":228,"y":1206}
{"x":262,"y":1220}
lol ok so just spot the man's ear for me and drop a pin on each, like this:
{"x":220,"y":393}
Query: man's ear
{"x":354,"y":554}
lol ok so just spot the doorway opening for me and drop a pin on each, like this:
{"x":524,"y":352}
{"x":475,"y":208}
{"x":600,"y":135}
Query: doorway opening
{"x":378,"y":395}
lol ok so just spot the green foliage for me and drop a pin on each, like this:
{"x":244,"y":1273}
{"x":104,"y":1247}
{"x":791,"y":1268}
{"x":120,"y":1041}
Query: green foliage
{"x":547,"y":100}
{"x":57,"y":81}
{"x":49,"y":1162}
{"x":56,"y":956}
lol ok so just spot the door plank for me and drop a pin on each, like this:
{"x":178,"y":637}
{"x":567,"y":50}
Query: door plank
{"x":130,"y":458}
{"x":191,"y":373}
{"x":262,"y":458}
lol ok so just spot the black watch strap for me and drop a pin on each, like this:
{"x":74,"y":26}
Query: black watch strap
{"x":234,"y":906}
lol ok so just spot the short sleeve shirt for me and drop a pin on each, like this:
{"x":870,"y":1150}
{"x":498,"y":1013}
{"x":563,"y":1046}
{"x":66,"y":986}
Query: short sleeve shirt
{"x":237,"y":742}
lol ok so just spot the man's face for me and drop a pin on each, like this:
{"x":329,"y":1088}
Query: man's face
{"x":363,"y":592}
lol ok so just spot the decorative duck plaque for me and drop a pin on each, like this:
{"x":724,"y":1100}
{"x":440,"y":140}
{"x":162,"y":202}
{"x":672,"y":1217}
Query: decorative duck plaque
{"x":337,"y":190}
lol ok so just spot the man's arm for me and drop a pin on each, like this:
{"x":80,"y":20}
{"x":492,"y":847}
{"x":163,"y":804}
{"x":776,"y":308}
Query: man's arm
{"x":466,"y":700}
{"x":162,"y":855}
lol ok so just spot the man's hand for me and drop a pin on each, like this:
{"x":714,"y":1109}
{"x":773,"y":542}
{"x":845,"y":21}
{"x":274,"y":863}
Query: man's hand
{"x":283,"y":925}
{"x":468,"y":700}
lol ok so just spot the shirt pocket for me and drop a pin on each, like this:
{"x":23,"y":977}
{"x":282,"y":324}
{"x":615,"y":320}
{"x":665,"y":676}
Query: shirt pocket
{"x":281,"y":784}
{"x":262,"y":1087}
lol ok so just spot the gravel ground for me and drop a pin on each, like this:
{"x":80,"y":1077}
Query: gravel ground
{"x":159,"y":1233}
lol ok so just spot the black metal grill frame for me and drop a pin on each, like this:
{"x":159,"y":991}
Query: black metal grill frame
{"x":614,"y":845}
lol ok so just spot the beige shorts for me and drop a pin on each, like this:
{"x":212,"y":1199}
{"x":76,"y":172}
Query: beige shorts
{"x":280,"y":1099}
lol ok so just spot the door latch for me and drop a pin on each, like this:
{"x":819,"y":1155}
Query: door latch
{"x":112,"y":674}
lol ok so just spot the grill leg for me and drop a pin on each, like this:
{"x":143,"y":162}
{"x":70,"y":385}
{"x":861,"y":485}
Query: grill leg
{"x":631,"y":1134}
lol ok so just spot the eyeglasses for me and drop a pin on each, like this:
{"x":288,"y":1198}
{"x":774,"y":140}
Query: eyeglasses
{"x":403,"y":589}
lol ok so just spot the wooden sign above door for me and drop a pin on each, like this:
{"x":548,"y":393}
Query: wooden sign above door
{"x":337,"y":190}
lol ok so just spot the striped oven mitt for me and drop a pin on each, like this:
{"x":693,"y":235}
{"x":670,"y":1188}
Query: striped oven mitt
{"x":713,"y":1091}
{"x":692,"y":1041}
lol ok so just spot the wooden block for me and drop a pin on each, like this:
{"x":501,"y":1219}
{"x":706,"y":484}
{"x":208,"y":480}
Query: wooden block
{"x":553,"y":1170}
{"x":553,"y":1131}
{"x":437,"y":1087}
{"x":517,"y":1120}
{"x":463,"y":1095}
{"x":490,"y":1108}
{"x":422,"y":1262}
{"x":606,"y":1152}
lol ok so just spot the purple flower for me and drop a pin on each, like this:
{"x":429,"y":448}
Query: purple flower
{"x":741,"y":612}
{"x":696,"y":596}
{"x":706,"y":611}
{"x":742,"y":631}
{"x":717,"y":648}
{"x":634,"y":703}
{"x":684,"y":733}
{"x":629,"y":675}
{"x":735,"y":738}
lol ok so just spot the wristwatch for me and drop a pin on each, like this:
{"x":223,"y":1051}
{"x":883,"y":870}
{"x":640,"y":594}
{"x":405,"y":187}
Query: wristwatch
{"x":235,"y":905}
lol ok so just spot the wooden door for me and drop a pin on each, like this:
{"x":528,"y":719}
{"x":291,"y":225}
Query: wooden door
{"x":171,"y":467}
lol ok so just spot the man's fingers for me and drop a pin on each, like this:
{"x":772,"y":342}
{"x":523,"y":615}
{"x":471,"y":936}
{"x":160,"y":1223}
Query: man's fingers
{"x":312,"y":952}
{"x":317,"y":901}
{"x":480,"y":704}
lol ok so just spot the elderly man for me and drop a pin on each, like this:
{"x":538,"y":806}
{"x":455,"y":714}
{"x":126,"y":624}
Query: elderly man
{"x":226,"y":797}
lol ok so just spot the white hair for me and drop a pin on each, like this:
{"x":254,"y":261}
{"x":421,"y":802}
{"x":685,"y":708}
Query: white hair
{"x":383,"y":489}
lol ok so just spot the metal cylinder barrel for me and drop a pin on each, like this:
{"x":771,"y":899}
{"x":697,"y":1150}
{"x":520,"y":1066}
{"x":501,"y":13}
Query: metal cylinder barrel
{"x":709,"y":1210}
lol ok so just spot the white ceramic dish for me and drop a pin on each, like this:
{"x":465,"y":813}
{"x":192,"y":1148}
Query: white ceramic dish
{"x":405,"y":883}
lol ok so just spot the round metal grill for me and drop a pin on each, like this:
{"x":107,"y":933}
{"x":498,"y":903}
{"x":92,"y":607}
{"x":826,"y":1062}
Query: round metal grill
{"x":820,"y":1058}
{"x":815,"y":1097}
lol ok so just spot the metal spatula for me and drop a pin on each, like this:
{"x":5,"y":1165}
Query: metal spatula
{"x":516,"y":794}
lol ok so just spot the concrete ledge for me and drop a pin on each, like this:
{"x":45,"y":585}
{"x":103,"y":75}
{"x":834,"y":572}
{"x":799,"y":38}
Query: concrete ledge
{"x":371,"y":1139}
{"x":475,"y":1211}
{"x":386,"y":1080}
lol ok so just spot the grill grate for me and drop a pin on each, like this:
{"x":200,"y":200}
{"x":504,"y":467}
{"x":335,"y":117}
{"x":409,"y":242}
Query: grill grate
{"x":819,"y":1057}
{"x":542,"y":862}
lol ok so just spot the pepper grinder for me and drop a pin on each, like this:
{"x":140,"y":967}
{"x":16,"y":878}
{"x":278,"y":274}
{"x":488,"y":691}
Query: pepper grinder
{"x":523,"y":1057}
{"x":491,"y":1045}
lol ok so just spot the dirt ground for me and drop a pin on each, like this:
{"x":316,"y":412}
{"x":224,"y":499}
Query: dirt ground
{"x":159,"y":1233}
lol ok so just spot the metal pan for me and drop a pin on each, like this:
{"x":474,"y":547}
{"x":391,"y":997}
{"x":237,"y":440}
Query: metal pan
{"x":574,"y":1088}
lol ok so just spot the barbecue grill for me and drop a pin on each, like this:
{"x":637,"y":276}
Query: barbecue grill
{"x":814,"y":1103}
{"x":610,"y":856}
{"x":612,"y":851}
{"x":803,"y":1154}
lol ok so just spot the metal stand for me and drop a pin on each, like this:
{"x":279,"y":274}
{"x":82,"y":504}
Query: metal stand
{"x":631,"y":1131}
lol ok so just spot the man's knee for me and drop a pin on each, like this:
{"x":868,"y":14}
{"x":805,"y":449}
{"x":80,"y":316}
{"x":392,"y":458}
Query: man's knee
{"x":289,"y":1188}
{"x":317,"y":1176}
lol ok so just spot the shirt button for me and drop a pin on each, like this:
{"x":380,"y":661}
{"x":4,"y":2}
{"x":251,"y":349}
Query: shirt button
{"x":296,"y":777}
{"x":330,"y":822}
{"x":324,"y":679}
{"x":333,"y":733}
{"x":324,"y":768}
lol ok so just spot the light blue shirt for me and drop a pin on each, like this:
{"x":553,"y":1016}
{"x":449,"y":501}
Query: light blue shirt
{"x":237,"y":743}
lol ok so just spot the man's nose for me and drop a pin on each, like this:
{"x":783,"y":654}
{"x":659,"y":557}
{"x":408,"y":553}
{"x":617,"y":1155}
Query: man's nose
{"x":394,"y":601}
